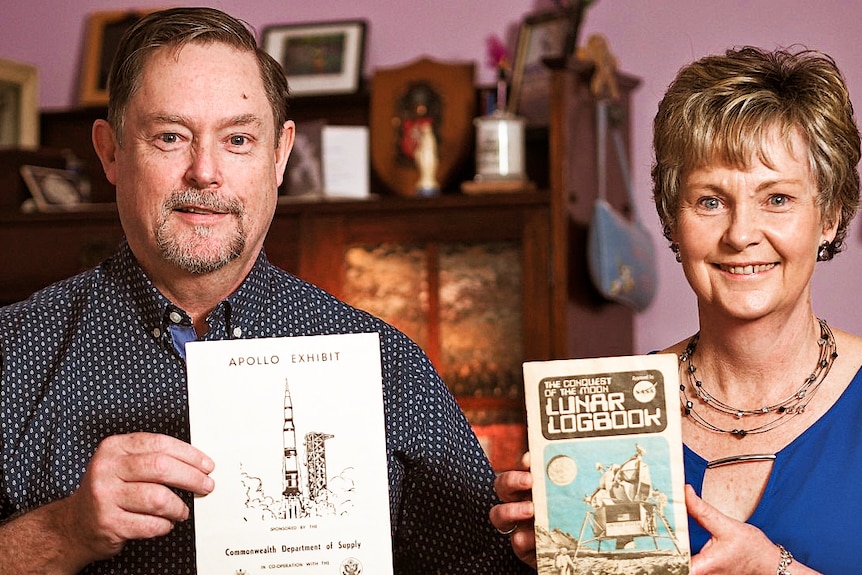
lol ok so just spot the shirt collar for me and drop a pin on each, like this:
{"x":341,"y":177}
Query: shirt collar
{"x":233,"y":317}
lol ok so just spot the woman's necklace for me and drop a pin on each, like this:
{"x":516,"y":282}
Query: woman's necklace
{"x":783,"y":410}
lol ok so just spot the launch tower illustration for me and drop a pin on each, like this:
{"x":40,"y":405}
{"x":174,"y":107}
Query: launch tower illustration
{"x":315,"y":455}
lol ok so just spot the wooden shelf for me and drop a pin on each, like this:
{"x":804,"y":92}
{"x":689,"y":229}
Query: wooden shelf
{"x":560,"y":314}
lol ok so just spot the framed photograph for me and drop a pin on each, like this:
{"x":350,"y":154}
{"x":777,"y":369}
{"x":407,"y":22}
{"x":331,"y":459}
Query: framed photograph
{"x":303,"y":176}
{"x":19,"y":105}
{"x":541,"y":36}
{"x":53,"y":190}
{"x":319,"y":58}
{"x":104,"y":30}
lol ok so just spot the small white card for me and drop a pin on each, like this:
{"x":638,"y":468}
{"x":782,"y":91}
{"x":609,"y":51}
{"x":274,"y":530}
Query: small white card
{"x":345,"y":161}
{"x":295,"y":427}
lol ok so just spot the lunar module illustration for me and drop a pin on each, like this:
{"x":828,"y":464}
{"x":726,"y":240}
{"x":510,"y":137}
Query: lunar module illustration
{"x":625,"y":506}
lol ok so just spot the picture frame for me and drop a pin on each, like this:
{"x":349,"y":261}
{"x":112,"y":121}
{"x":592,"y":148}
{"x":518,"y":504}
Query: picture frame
{"x":53,"y":189}
{"x":104,"y":30}
{"x":303,"y":175}
{"x":319,"y":58}
{"x":542,"y":36}
{"x":19,"y":104}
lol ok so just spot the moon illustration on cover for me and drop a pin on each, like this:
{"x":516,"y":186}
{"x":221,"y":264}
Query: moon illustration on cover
{"x":562,"y":470}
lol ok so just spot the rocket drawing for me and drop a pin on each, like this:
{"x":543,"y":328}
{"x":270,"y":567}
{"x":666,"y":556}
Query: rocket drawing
{"x":291,"y":463}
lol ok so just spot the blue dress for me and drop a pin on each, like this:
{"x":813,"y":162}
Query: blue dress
{"x":812,"y":504}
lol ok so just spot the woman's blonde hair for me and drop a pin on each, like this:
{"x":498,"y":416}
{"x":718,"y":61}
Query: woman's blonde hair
{"x":720,"y":108}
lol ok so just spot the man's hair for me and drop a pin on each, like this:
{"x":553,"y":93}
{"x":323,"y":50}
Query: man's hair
{"x":721,"y":108}
{"x":174,"y":28}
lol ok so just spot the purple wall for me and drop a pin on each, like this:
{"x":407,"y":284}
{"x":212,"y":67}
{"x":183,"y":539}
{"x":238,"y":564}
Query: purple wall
{"x":652,"y":40}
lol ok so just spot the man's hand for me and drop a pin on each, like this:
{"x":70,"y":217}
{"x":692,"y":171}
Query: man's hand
{"x":515,"y":515}
{"x":125,"y":494}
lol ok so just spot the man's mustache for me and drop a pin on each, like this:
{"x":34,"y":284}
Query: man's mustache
{"x":203,"y":199}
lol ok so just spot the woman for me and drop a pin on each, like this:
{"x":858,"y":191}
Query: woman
{"x":755,"y":182}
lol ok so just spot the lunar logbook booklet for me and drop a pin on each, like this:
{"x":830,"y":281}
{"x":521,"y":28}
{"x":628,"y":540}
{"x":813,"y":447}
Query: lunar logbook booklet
{"x":606,"y":453}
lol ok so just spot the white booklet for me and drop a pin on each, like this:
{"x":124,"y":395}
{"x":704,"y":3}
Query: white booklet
{"x":606,"y":458}
{"x":295,"y":427}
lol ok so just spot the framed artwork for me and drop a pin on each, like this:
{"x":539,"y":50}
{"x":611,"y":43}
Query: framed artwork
{"x":53,"y":190}
{"x":319,"y":58}
{"x":104,"y":30}
{"x":303,"y":176}
{"x":541,"y":36}
{"x":19,"y":104}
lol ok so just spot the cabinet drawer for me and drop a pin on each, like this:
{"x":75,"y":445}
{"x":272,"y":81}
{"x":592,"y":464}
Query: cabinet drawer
{"x":41,"y":250}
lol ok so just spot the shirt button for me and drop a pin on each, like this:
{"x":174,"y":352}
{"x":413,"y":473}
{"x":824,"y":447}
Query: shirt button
{"x":175,"y":317}
{"x":237,"y":331}
{"x":157,"y":333}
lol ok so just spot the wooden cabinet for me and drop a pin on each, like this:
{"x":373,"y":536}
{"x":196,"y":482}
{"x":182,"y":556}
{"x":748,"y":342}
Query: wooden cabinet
{"x":40,"y":249}
{"x":588,"y":326}
{"x":482,"y":282}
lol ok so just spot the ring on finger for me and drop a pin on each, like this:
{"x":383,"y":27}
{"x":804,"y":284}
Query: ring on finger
{"x":507,"y":531}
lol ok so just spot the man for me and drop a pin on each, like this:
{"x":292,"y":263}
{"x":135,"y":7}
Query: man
{"x":97,"y":472}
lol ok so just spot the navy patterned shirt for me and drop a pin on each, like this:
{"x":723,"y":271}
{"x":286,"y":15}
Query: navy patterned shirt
{"x":94,"y":356}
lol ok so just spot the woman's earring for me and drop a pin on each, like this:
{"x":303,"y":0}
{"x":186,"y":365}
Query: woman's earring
{"x":824,"y":252}
{"x":674,"y":247}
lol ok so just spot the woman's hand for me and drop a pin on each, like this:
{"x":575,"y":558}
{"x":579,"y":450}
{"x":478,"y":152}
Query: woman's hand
{"x":735,"y":547}
{"x":515,"y":515}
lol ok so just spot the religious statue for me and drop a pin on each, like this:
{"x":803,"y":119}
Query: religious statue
{"x":426,"y":158}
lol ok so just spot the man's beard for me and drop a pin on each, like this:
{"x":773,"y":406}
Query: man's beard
{"x":200,"y":252}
